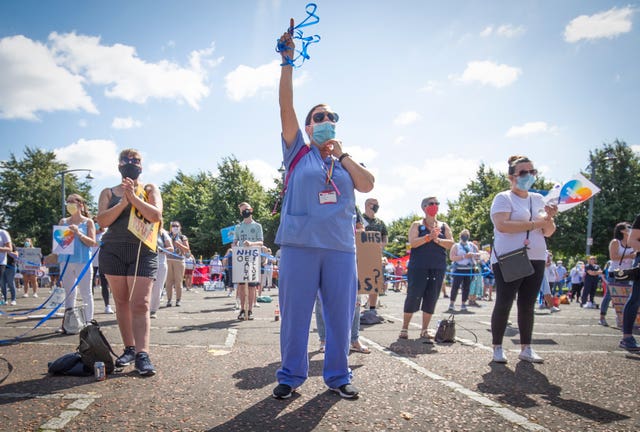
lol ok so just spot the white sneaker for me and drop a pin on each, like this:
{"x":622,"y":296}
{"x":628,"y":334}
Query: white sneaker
{"x":588,"y":305}
{"x":25,"y":295}
{"x":13,"y":303}
{"x":108,"y":309}
{"x":555,"y":309}
{"x":498,"y":355}
{"x":35,"y":295}
{"x":528,"y":354}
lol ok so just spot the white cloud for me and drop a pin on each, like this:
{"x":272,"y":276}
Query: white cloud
{"x":443,"y":177}
{"x":608,"y":24}
{"x":365,"y":155}
{"x":127,"y":76}
{"x":636,"y":148}
{"x":245,"y":82}
{"x":406,"y":118}
{"x":264,"y":173}
{"x":489,"y":73}
{"x":529,"y":128}
{"x":432,"y":87}
{"x":95,"y":155}
{"x":31,"y":81}
{"x":399,"y":140}
{"x":509,"y":30}
{"x":83,"y":123}
{"x":125,"y":123}
{"x":487,"y":31}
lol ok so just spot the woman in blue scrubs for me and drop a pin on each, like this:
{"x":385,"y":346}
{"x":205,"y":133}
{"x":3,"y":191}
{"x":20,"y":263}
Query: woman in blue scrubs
{"x":317,"y":239}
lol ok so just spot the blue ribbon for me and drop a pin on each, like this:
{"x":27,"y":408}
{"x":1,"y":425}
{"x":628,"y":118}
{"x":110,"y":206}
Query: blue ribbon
{"x":296,"y":33}
{"x":54,"y":310}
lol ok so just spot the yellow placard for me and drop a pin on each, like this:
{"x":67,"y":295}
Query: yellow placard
{"x":146,"y":231}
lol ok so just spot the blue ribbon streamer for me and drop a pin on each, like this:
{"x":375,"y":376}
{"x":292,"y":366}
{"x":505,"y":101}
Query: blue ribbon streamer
{"x":296,"y":33}
{"x":54,"y":310}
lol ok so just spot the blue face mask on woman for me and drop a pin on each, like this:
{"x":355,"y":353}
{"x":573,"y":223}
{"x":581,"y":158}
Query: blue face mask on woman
{"x":525,"y":182}
{"x":323,"y":132}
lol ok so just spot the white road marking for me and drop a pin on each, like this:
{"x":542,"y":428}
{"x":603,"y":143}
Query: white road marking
{"x":81,"y":402}
{"x":496,"y":407}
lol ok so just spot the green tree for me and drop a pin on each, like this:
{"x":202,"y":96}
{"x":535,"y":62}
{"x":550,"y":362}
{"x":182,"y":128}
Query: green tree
{"x":617,"y":173}
{"x":30,"y":192}
{"x":472,"y":208}
{"x":399,"y":235}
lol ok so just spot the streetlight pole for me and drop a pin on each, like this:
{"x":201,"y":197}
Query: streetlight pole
{"x":590,"y":213}
{"x":63,"y":198}
{"x":592,"y":164}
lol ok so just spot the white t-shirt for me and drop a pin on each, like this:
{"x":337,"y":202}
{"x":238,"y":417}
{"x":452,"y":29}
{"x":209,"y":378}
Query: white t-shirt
{"x":508,"y":202}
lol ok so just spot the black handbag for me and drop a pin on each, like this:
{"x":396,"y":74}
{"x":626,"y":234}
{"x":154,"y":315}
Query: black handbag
{"x":446,"y":330}
{"x":516,"y":264}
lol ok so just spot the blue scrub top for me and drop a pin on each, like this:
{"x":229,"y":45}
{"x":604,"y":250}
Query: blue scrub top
{"x":304,"y":222}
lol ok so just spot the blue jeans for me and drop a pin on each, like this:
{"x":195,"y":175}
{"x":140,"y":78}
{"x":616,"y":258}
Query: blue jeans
{"x":604,"y":306}
{"x":355,"y":325}
{"x":8,"y":280}
{"x":631,"y":306}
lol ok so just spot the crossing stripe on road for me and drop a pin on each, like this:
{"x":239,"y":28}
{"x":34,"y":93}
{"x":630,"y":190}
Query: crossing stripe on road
{"x":499,"y":409}
{"x":81,"y":402}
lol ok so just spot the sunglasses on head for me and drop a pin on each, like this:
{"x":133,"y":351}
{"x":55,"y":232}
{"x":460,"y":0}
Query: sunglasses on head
{"x":523,"y":173}
{"x":319,"y":116}
{"x":130,"y":160}
{"x":432,"y":203}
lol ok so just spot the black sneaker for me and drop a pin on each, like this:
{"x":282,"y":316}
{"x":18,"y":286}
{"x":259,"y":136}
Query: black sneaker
{"x":282,"y":391}
{"x":127,"y":357}
{"x":241,"y":315}
{"x":250,"y":315}
{"x":143,"y":364}
{"x":347,"y":391}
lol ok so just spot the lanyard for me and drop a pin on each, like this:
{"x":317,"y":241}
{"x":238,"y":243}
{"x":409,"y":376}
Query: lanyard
{"x":329,"y":173}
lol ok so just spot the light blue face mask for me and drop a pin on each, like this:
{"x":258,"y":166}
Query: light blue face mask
{"x":323,"y":132}
{"x":525,"y":182}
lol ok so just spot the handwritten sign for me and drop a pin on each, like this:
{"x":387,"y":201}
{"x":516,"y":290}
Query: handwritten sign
{"x":29,"y":258}
{"x":369,"y":256}
{"x":63,"y":240}
{"x":246,"y":264}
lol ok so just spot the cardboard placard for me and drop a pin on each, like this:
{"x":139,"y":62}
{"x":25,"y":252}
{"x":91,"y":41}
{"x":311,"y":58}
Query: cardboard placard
{"x":369,"y":256}
{"x":246,"y":264}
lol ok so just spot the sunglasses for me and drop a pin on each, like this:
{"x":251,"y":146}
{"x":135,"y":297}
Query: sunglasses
{"x":523,"y":173}
{"x":175,"y":226}
{"x":319,"y":116}
{"x":135,"y":161}
{"x":432,"y":204}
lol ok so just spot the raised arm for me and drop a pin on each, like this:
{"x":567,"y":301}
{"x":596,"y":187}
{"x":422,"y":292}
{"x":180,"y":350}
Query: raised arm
{"x":288,"y":116}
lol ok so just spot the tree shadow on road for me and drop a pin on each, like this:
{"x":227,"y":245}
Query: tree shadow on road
{"x":515,"y":387}
{"x":266,"y":415}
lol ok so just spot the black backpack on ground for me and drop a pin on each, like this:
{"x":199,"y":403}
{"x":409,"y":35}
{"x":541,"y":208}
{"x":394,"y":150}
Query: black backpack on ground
{"x":95,"y":347}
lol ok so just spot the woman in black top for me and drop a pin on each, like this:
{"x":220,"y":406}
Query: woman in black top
{"x":429,"y":241}
{"x":129,"y":265}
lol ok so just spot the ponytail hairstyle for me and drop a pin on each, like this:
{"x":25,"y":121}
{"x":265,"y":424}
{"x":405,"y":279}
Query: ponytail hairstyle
{"x":618,"y":231}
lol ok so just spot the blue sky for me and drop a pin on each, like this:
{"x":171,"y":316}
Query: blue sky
{"x":426,"y":90}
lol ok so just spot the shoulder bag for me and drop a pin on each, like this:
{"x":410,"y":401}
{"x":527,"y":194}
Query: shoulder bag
{"x":516,"y":264}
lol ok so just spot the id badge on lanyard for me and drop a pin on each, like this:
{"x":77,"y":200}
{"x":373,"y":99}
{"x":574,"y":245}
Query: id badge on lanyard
{"x":329,"y":196}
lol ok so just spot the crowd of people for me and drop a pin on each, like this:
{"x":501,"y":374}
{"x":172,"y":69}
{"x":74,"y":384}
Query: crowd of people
{"x":317,"y":233}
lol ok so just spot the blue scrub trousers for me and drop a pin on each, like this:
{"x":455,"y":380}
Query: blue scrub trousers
{"x":305,"y":272}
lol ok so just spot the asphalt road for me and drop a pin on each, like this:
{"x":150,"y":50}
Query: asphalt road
{"x":216,"y":373}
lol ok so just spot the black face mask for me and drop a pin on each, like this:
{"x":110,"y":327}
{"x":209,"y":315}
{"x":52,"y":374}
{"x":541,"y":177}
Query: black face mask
{"x":375,"y":208}
{"x":246,"y":213}
{"x":130,"y":171}
{"x":619,"y":234}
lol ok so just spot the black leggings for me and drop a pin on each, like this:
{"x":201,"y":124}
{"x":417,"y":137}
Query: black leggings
{"x":527,"y":290}
{"x":461,"y":281}
{"x":103,"y":284}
